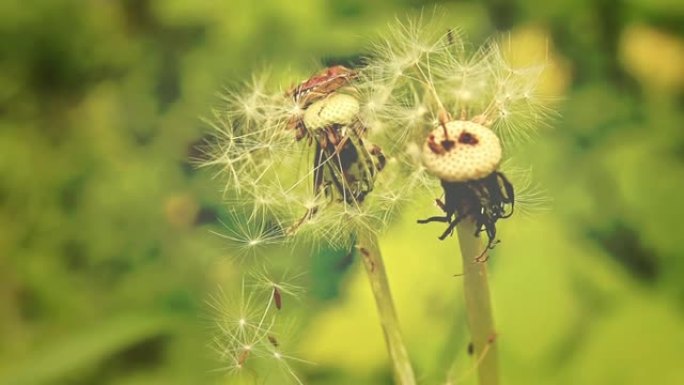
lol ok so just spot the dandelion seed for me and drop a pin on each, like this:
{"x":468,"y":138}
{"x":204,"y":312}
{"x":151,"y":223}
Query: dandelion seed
{"x":249,"y":237}
{"x":264,"y":281}
{"x":277,"y":298}
{"x":531,"y":198}
{"x":251,"y":333}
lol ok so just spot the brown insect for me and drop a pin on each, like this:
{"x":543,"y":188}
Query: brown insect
{"x":277,"y":298}
{"x":322,"y":84}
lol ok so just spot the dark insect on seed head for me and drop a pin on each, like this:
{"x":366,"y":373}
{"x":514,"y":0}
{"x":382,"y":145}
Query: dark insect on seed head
{"x":467,"y":138}
{"x":448,"y":144}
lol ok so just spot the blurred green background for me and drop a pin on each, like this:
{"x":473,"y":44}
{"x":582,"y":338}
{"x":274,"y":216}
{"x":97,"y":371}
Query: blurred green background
{"x":106,"y":255}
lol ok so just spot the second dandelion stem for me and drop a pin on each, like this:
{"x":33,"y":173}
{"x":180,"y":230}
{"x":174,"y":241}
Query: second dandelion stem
{"x":478,"y":305}
{"x":369,"y":251}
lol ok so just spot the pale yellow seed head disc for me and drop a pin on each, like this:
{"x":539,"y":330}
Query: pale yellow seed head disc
{"x":462,"y":162}
{"x":339,"y":109}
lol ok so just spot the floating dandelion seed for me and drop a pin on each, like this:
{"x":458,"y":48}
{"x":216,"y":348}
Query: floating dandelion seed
{"x":251,"y":236}
{"x":251,"y":333}
{"x":283,"y":286}
{"x":531,"y":197}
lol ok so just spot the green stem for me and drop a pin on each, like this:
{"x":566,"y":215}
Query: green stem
{"x":369,"y":251}
{"x":478,"y":306}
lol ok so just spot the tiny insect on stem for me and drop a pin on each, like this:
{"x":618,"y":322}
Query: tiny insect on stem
{"x":367,"y":256}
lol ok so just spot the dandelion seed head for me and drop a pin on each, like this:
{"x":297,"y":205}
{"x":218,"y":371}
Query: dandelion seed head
{"x":471,"y":82}
{"x":272,"y":153}
{"x":339,"y":109}
{"x":460,"y":151}
{"x":435,"y":84}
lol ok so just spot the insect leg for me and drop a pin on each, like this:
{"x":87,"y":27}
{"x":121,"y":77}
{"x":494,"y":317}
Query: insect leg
{"x":443,"y":219}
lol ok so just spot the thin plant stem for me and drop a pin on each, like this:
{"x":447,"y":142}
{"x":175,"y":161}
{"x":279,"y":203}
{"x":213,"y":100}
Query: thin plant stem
{"x":478,"y":304}
{"x":369,"y":252}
